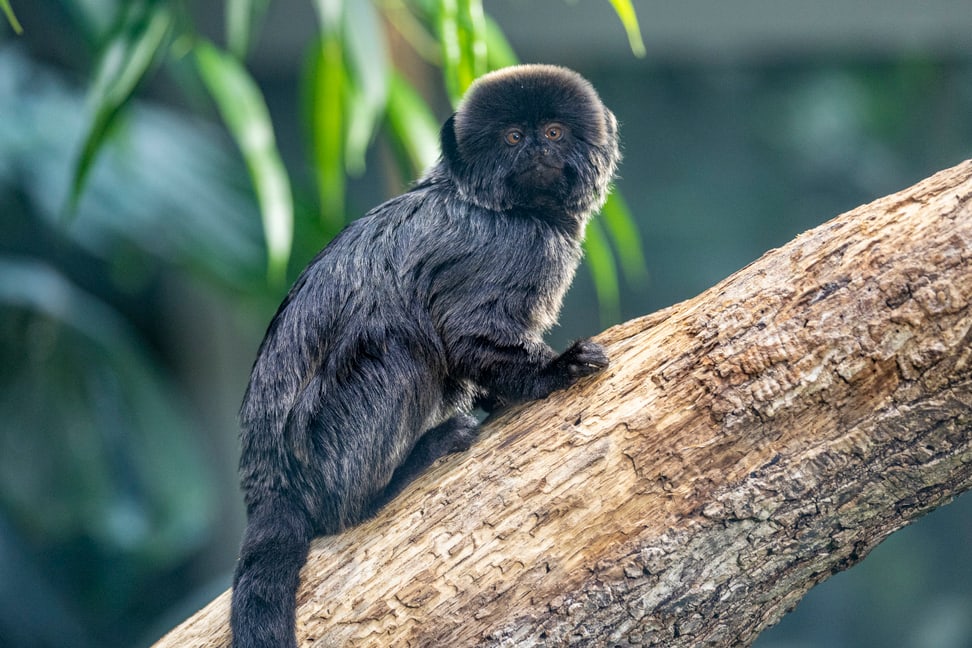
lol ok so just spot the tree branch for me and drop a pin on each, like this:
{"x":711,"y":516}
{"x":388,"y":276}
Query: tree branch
{"x":742,"y":447}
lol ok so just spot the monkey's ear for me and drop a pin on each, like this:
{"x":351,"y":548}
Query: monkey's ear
{"x":447,"y":140}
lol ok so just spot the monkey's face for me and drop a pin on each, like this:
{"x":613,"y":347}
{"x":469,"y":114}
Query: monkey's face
{"x":532,"y":137}
{"x":537,"y":157}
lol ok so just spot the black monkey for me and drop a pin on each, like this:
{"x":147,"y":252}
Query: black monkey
{"x":429,"y":304}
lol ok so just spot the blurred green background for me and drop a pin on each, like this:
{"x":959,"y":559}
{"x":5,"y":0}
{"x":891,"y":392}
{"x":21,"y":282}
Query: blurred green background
{"x":156,"y":156}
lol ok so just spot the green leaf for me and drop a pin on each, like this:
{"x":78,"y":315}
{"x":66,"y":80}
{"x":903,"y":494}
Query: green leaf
{"x":472,"y":24}
{"x":448,"y":26}
{"x":327,"y":90}
{"x":416,"y":27}
{"x":625,"y":238}
{"x":125,"y":61}
{"x":324,"y":84}
{"x":240,"y":18}
{"x":245,"y":113}
{"x":629,"y":19}
{"x":329,"y":14}
{"x":11,"y":18}
{"x":414,"y":128}
{"x":463,"y":30}
{"x":499,"y":52}
{"x":367,"y":78}
{"x":603,"y":272}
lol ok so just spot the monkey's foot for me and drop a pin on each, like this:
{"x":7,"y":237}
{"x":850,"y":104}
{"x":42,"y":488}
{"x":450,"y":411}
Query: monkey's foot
{"x":454,"y":435}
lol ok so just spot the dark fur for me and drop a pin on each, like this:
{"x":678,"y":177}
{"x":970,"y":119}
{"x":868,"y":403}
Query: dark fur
{"x":432,"y":302}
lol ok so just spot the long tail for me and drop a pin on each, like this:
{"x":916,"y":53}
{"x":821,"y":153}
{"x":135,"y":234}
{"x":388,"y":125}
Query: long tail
{"x":275,"y":545}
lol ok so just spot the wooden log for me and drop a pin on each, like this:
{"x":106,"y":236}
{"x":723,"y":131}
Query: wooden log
{"x":743,"y":446}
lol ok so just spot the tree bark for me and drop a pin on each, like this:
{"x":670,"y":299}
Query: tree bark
{"x":743,"y":446}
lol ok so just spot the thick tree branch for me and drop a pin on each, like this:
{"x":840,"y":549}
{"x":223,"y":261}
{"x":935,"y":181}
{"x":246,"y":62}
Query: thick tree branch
{"x":743,"y":446}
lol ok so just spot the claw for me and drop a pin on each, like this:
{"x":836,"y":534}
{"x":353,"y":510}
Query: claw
{"x":585,"y":358}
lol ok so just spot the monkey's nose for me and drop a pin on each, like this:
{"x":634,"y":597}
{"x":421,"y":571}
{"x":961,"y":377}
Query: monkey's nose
{"x":545,"y":156}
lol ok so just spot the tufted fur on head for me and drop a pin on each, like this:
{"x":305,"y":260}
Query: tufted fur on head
{"x":572,"y":173}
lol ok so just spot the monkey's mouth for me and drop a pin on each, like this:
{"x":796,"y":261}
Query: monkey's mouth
{"x":540,"y":175}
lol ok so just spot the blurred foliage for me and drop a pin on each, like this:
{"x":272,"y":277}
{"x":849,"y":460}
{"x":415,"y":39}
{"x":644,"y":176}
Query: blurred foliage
{"x":110,"y":472}
{"x":104,"y":489}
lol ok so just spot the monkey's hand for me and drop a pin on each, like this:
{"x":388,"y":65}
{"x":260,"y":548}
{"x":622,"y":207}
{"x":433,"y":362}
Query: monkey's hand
{"x":583,"y":358}
{"x":509,"y":374}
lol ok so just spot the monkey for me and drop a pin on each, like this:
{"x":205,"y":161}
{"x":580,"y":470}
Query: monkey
{"x":430,"y":304}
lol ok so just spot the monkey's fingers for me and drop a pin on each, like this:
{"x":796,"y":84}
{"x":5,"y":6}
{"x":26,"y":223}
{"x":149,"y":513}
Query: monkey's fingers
{"x":584,"y":358}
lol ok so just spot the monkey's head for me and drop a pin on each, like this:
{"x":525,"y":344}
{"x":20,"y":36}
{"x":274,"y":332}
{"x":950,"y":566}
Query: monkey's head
{"x":532,"y":137}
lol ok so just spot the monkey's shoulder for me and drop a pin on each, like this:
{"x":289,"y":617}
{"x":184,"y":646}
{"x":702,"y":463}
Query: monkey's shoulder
{"x":430,"y":240}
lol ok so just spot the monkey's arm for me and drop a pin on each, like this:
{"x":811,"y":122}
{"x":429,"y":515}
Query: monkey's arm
{"x":526,"y":369}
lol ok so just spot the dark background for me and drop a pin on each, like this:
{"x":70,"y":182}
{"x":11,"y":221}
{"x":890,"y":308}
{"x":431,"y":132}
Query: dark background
{"x":126,"y":332}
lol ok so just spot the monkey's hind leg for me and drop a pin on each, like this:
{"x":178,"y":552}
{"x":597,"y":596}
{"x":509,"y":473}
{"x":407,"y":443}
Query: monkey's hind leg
{"x":454,"y":435}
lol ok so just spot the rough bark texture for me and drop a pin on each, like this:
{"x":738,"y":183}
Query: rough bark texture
{"x":742,"y":447}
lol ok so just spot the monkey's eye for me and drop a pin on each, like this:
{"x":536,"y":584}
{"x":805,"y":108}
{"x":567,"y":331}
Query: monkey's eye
{"x":513,"y":137}
{"x":553,"y":132}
